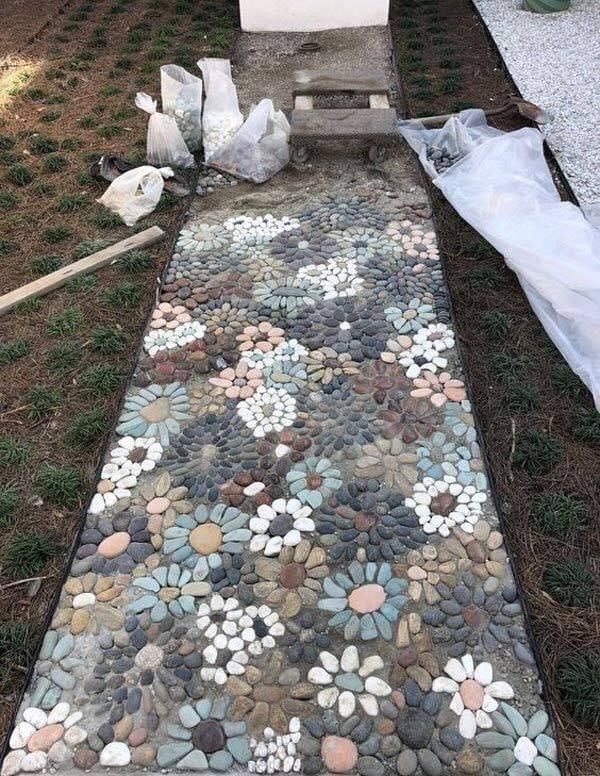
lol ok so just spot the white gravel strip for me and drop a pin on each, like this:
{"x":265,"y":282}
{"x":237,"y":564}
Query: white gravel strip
{"x":555,"y":61}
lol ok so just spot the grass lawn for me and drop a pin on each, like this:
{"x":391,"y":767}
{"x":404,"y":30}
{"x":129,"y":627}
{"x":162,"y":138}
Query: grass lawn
{"x":66,"y":98}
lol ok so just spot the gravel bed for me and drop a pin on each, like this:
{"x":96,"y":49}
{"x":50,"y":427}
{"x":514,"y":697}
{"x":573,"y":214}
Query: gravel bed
{"x":553,"y":59}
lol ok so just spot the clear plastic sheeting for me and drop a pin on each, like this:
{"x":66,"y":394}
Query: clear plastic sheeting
{"x":502,"y":186}
{"x":259,"y":149}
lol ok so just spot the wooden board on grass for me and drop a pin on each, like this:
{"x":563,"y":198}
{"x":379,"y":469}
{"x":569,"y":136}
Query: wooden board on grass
{"x":91,"y":263}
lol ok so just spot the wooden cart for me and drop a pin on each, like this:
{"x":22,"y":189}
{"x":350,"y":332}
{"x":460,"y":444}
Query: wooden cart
{"x":373,"y":126}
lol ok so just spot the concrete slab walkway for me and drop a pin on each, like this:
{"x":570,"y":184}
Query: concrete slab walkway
{"x":292,"y":562}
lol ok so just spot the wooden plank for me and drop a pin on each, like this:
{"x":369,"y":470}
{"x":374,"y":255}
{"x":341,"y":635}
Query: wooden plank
{"x":359,"y":123}
{"x":91,"y":263}
{"x":320,"y":82}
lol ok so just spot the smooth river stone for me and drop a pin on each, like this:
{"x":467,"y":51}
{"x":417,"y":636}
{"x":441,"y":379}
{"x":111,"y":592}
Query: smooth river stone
{"x":339,"y":754}
{"x":471,"y":693}
{"x":43,"y":739}
{"x":114,"y":545}
{"x":367,"y":598}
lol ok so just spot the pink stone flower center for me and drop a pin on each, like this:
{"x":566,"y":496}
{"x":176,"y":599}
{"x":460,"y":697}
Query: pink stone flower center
{"x":367,"y":598}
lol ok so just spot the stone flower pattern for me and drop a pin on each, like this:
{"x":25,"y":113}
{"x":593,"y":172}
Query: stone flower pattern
{"x":198,"y":541}
{"x":347,"y":680}
{"x":156,"y":411}
{"x":314,"y":480}
{"x":296,"y":574}
{"x":366,"y":602}
{"x":280,"y":524}
{"x":241,"y":631}
{"x":206,"y":739}
{"x":474,"y":693}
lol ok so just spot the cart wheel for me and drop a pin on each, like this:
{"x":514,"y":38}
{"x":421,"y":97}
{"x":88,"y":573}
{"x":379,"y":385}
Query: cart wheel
{"x":300,"y":154}
{"x":378,"y":153}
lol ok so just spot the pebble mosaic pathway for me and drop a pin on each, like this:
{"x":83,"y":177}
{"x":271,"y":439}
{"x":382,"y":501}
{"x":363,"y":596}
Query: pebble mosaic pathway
{"x":292,"y":563}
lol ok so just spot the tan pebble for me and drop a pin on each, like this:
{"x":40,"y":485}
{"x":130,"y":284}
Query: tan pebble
{"x":177,"y":494}
{"x":415,"y":591}
{"x":496,"y":569}
{"x":416,"y":572}
{"x":463,"y":538}
{"x":387,"y":357}
{"x":123,"y":728}
{"x":420,"y":676}
{"x":73,"y":586}
{"x":431,"y":594}
{"x":430,"y":552}
{"x":398,"y":698}
{"x":114,"y":545}
{"x":143,"y":755}
{"x":79,"y":621}
{"x":105,"y":486}
{"x":162,"y":485}
{"x":241,"y":707}
{"x":402,"y":637}
{"x":183,"y":507}
{"x":153,"y":561}
{"x":88,"y":581}
{"x":414,"y":622}
{"x":109,"y":595}
{"x":253,"y":675}
{"x":495,"y":540}
{"x":122,"y":580}
{"x":481,"y":531}
{"x":156,"y":541}
{"x":104,"y":583}
{"x":385,"y":727}
{"x":155,"y":524}
{"x":429,"y":663}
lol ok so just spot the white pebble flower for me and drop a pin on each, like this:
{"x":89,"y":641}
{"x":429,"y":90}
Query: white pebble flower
{"x":336,"y":278}
{"x":268,"y":409}
{"x":442,"y":504}
{"x":424,"y":353}
{"x":474,"y":693}
{"x":279,"y":525}
{"x":128,"y":460}
{"x":170,"y":339}
{"x":243,"y":631}
{"x":348,"y":680}
{"x":275,"y":753}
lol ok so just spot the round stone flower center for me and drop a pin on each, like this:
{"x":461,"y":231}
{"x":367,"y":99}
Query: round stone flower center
{"x":260,"y":628}
{"x":443,"y":504}
{"x":137,"y":455}
{"x":208,"y":736}
{"x":471,"y":693}
{"x":314,"y":481}
{"x":206,"y":538}
{"x":157,"y":410}
{"x":366,"y":598}
{"x":292,"y":575}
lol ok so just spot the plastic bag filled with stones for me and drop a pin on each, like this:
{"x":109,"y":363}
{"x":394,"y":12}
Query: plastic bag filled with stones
{"x":222,"y":116}
{"x":181,"y":94}
{"x":259,"y":149}
{"x":164,"y":142}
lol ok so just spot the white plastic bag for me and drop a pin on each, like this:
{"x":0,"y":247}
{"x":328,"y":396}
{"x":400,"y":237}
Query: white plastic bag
{"x":135,"y":193}
{"x":181,"y":94}
{"x":164,"y":142}
{"x":259,"y":149}
{"x":504,"y":189}
{"x":222,"y":117}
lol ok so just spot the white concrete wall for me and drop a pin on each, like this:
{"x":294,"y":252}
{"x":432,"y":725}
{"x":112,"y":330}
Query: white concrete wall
{"x":310,"y":15}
